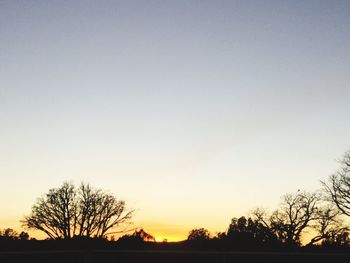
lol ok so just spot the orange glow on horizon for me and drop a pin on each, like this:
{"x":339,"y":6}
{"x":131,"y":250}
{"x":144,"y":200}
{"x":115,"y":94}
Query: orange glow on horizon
{"x":168,"y":232}
{"x":169,"y":237}
{"x":161,"y":232}
{"x":161,"y":239}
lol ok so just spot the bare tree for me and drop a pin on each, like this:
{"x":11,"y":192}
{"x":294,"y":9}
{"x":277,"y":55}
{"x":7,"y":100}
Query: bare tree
{"x":324,"y":221}
{"x":295,"y":214}
{"x":66,"y":212}
{"x":99,"y":212}
{"x":337,"y":187}
{"x":328,"y":225}
{"x":260,"y":215}
{"x":54,"y":213}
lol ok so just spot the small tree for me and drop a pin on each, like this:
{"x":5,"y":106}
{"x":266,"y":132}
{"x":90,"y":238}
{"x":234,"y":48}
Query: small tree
{"x":248,"y":232}
{"x":198,"y":234}
{"x":337,"y":187}
{"x":296,"y":213}
{"x":138,"y":236}
{"x":68,"y":211}
{"x":328,"y":226}
{"x":8,"y":233}
{"x":23,"y":236}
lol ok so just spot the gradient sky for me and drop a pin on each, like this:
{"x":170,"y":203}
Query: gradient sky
{"x":192,"y":111}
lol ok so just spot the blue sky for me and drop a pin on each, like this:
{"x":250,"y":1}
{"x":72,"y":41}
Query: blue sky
{"x":191,"y":111}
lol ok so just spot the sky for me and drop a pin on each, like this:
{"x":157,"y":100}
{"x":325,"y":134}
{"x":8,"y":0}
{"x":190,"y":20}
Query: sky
{"x":193,"y":112}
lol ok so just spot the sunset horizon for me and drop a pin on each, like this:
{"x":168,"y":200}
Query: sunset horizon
{"x":218,"y":121}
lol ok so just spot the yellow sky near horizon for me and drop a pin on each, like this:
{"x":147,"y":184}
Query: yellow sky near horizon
{"x":160,"y":231}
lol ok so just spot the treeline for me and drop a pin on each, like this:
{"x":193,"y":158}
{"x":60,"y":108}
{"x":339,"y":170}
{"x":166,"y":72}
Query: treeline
{"x":85,"y":217}
{"x":242,"y":235}
{"x":303,"y":219}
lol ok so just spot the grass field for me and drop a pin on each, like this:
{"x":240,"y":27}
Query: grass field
{"x":168,"y":257}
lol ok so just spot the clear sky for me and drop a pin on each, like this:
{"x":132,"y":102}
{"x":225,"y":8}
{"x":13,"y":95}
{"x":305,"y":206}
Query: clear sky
{"x":192,"y":111}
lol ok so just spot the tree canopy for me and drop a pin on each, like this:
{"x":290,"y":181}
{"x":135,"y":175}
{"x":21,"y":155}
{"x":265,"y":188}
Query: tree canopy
{"x":68,"y":211}
{"x":337,"y":187}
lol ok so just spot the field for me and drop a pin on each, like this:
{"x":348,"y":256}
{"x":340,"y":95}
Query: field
{"x":167,"y":257}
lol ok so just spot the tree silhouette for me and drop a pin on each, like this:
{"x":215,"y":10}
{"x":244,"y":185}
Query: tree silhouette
{"x":9,"y":234}
{"x":296,"y":213}
{"x":23,"y":236}
{"x":340,"y":239}
{"x":249,"y":232}
{"x":138,"y":236}
{"x":328,"y":226}
{"x":68,"y":211}
{"x":337,"y":187}
{"x":198,"y":234}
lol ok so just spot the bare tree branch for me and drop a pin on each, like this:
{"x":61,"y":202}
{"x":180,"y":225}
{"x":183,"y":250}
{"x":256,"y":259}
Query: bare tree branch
{"x":66,"y":212}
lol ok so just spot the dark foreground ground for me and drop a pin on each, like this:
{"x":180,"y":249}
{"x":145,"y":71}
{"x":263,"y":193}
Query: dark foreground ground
{"x":168,"y":257}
